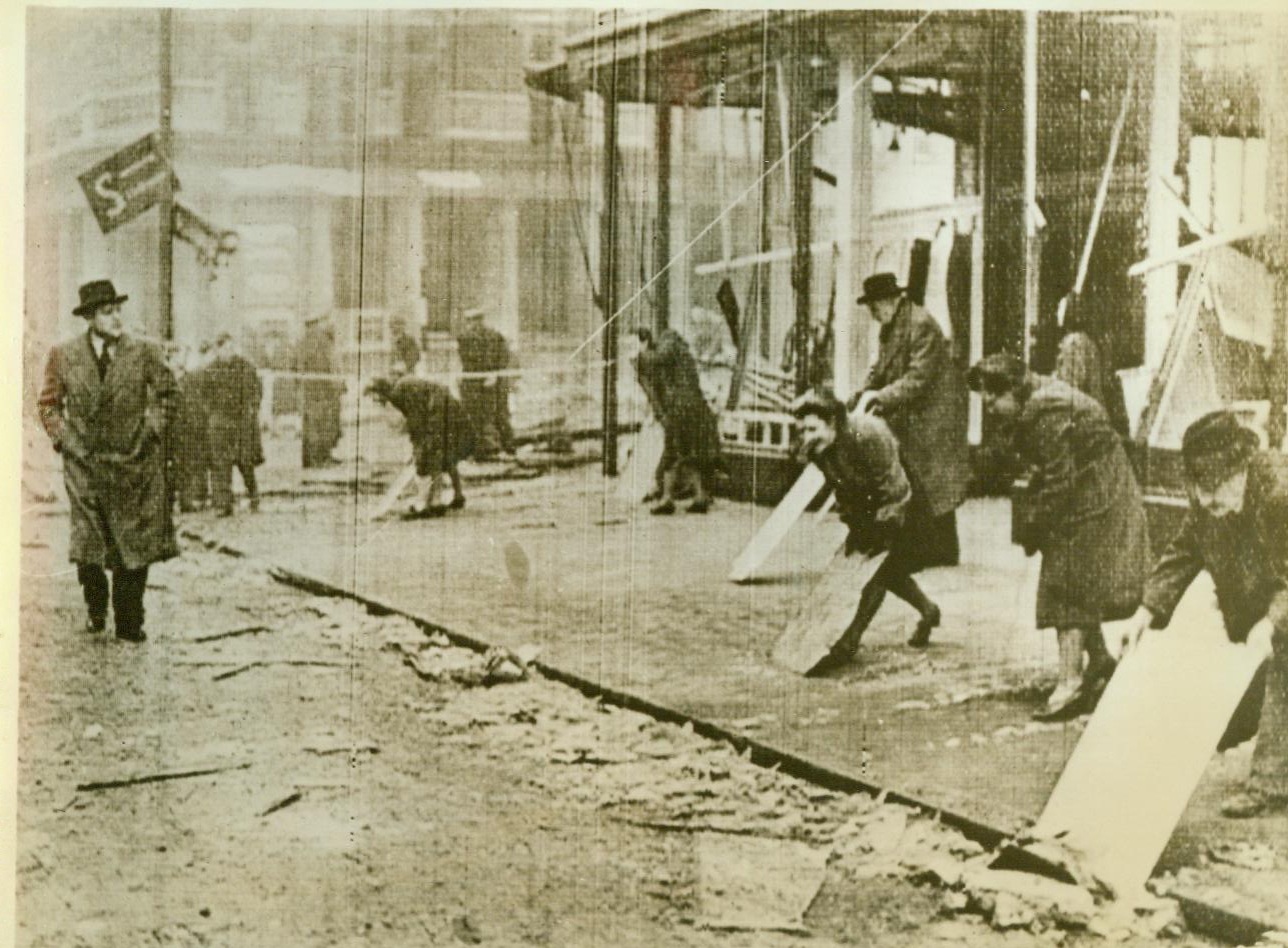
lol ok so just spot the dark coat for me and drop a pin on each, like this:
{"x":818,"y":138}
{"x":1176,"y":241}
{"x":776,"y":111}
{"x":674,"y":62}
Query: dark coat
{"x":1246,"y":555}
{"x":111,"y":434}
{"x":1082,"y":509}
{"x":862,"y":468}
{"x":231,"y":391}
{"x":437,"y":425}
{"x":921,"y":393}
{"x":320,"y":398}
{"x":669,"y":376}
{"x":1080,"y":363}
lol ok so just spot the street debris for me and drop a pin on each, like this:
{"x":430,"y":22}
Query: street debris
{"x":283,"y":803}
{"x":747,"y":883}
{"x":437,"y":660}
{"x":157,"y":777}
{"x":322,"y":748}
{"x":1256,"y":856}
{"x":297,"y":662}
{"x":234,"y":633}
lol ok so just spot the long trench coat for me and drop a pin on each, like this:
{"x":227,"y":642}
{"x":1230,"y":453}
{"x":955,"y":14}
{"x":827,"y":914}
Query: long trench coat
{"x":922,"y":396}
{"x":231,"y":391}
{"x":320,"y":398}
{"x":669,"y":376}
{"x":1082,"y":509}
{"x":111,"y":434}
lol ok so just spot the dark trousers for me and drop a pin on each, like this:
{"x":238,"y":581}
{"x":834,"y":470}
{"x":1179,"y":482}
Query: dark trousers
{"x":126,"y":594}
{"x":221,"y":482}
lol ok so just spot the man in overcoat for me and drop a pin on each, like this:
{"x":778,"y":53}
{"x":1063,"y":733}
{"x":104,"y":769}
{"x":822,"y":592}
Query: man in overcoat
{"x":916,"y":386}
{"x":320,"y":397}
{"x":231,"y":391}
{"x":487,"y":400}
{"x":188,"y":435}
{"x":1236,"y":529}
{"x":106,"y":404}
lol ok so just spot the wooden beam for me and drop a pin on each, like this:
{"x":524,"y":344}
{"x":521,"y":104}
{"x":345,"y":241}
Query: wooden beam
{"x":1197,"y":247}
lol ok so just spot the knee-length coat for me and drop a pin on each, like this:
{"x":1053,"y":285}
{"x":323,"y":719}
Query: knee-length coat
{"x":437,"y":424}
{"x":111,"y":433}
{"x":922,"y":395}
{"x":1082,"y":509}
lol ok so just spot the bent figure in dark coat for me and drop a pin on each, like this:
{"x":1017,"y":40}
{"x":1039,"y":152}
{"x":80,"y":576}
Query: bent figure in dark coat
{"x":860,"y":459}
{"x":1083,"y":511}
{"x":691,"y":448}
{"x":106,"y":405}
{"x":440,"y":435}
{"x":1237,"y":530}
{"x":232,"y":392}
{"x":917,"y":387}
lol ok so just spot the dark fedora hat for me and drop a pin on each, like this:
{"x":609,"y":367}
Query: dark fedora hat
{"x":880,"y":286}
{"x":97,"y":293}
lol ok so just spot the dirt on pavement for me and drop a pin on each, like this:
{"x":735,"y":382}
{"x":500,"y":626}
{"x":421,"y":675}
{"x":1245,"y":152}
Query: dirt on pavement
{"x":354,"y":802}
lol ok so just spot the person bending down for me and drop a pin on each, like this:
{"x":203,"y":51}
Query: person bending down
{"x":859,"y":457}
{"x":440,"y":437}
{"x":1236,"y":529}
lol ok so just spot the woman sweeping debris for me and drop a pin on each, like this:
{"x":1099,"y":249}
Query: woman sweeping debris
{"x":1082,"y":510}
{"x":440,"y":437}
{"x":860,"y":459}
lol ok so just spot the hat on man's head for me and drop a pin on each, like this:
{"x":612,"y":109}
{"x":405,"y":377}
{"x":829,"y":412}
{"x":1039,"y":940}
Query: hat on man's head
{"x":380,"y":387}
{"x":880,"y":286}
{"x":97,"y":293}
{"x":1216,"y":446}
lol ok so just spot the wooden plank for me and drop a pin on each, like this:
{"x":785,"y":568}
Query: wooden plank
{"x":821,"y":622}
{"x":1146,"y":747}
{"x":780,"y":522}
{"x":636,"y":480}
{"x":394,"y":492}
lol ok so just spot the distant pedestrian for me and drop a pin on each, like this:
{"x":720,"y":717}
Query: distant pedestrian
{"x":1236,"y":529}
{"x":917,"y":387}
{"x":319,"y":396}
{"x":1082,"y":510}
{"x":486,"y":400}
{"x":188,"y":433}
{"x":691,"y":450}
{"x":106,"y":404}
{"x":231,"y":391}
{"x":859,"y":456}
{"x":406,"y":348}
{"x":440,"y":435}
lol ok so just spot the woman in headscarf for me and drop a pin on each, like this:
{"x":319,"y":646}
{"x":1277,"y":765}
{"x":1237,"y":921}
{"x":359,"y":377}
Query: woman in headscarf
{"x":1082,"y":510}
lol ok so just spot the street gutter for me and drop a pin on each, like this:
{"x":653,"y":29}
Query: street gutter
{"x":1201,"y":916}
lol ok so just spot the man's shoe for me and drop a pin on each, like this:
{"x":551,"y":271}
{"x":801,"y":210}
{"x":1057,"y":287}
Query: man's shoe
{"x":254,"y":505}
{"x":927,"y":624}
{"x":131,"y":635}
{"x":225,"y":512}
{"x":664,"y":509}
{"x":700,"y":506}
{"x":1250,"y":802}
{"x":96,"y":625}
{"x":458,"y":503}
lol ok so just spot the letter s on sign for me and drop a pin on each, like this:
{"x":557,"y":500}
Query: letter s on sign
{"x":110,"y":194}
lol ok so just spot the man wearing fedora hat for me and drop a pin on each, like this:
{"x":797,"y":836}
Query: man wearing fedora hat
{"x":918,"y":389}
{"x":106,"y":404}
{"x":1236,"y":529}
{"x":486,"y":400}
